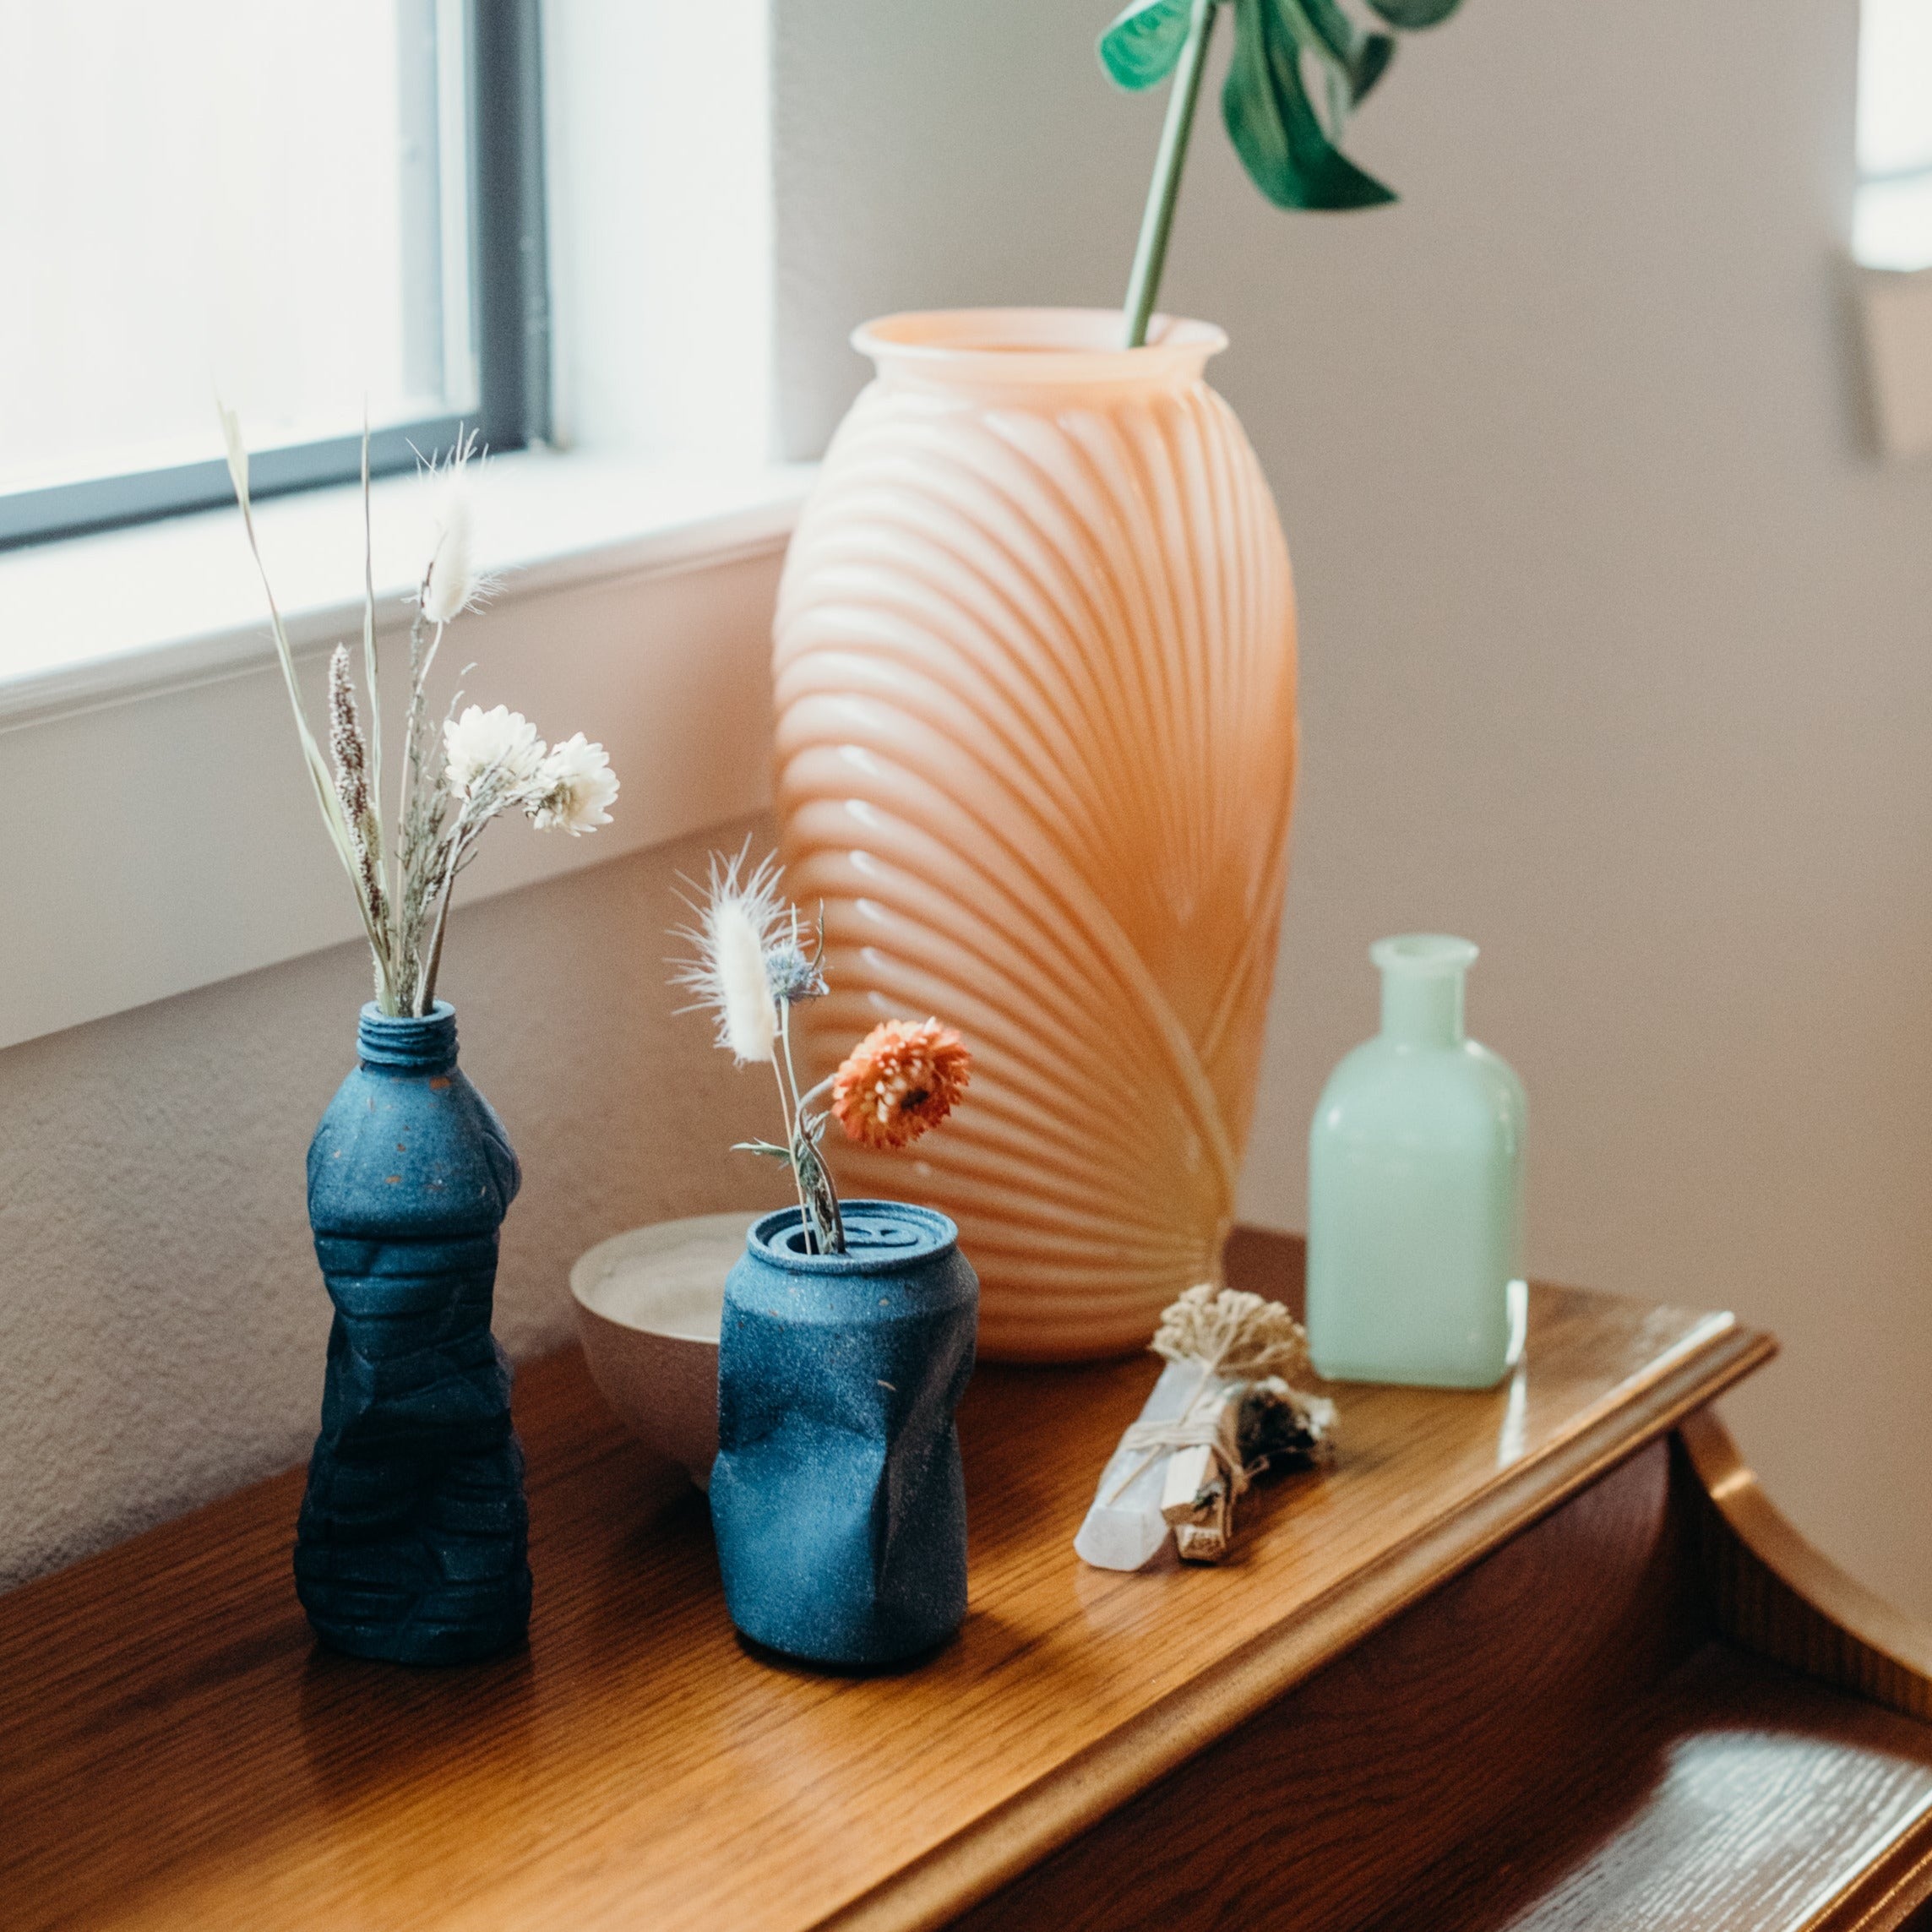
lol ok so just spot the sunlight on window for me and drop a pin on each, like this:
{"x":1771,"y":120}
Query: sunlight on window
{"x":262,"y":198}
{"x":1892,"y":225}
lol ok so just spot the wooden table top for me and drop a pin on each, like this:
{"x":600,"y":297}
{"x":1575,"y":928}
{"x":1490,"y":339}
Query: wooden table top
{"x":176,"y":1751}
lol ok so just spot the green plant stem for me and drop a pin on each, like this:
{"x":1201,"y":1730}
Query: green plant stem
{"x":371,"y":668}
{"x":1151,"y":256}
{"x":425,"y":992}
{"x":788,"y":1104}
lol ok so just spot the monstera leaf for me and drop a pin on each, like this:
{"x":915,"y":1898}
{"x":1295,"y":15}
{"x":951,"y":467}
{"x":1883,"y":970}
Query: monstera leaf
{"x":1357,"y":59}
{"x":1288,"y":143}
{"x":1273,"y":123}
{"x":1143,"y":44}
{"x":1410,"y":15}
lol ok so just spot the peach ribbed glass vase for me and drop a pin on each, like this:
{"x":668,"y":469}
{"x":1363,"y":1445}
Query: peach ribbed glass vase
{"x":1036,"y":687}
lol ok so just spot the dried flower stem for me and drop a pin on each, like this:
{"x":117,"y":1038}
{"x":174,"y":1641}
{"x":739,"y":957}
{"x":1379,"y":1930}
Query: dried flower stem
{"x":371,"y":680}
{"x":403,"y":891}
{"x":1158,"y":222}
{"x":818,"y":1198}
{"x":320,"y":774}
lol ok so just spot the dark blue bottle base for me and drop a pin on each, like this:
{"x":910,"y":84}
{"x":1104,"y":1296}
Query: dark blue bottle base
{"x":435,"y":1572}
{"x":413,"y":1544}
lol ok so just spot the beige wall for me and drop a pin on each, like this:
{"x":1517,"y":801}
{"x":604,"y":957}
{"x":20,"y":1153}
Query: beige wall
{"x":1617,"y":646}
{"x":162,"y":1321}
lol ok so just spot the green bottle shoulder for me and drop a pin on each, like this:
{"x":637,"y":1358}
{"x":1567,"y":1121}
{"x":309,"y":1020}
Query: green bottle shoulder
{"x":1388,"y":1083}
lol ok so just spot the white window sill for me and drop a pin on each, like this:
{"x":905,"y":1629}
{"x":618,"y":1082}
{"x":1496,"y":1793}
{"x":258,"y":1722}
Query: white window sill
{"x":161,"y":836}
{"x":103,"y":618}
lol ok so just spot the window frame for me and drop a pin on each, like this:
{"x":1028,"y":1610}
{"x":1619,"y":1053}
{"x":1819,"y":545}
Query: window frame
{"x":1872,"y":243}
{"x":510,"y":320}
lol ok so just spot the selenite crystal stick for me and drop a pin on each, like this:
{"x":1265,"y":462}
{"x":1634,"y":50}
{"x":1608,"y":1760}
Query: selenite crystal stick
{"x":1125,"y":1528}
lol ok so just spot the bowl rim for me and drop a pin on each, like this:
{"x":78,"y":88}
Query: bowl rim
{"x":595,"y":1266}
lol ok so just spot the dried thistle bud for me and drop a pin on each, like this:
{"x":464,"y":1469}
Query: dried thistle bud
{"x":791,"y":975}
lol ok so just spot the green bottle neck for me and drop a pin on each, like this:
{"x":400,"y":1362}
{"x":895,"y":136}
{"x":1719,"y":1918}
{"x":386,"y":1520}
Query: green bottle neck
{"x":1423,"y":979}
{"x":1423,"y":1012}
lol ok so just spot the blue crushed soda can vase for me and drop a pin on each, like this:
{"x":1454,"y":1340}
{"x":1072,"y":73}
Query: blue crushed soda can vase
{"x":412,"y":1541}
{"x":838,"y":1496}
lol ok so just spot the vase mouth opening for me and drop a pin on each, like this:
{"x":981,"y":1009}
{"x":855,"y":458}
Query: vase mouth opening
{"x":426,"y":1039}
{"x":1424,"y":955}
{"x":882,"y":1237}
{"x":1005,"y":348}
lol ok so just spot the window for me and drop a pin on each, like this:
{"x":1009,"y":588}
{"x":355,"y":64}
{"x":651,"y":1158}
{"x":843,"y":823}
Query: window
{"x":1891,"y":226}
{"x":307,"y":209}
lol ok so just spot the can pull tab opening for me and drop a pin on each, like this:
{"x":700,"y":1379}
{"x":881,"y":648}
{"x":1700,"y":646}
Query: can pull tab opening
{"x":861,"y":1237}
{"x":862,"y":1234}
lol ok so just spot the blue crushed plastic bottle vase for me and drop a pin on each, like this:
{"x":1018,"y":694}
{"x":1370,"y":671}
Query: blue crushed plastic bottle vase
{"x":1415,"y":1190}
{"x":411,"y":1545}
{"x":839,"y":1497}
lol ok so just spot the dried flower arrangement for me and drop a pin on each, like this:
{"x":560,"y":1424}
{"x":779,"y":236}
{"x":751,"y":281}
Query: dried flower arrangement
{"x":751,"y":965}
{"x":486,"y":763}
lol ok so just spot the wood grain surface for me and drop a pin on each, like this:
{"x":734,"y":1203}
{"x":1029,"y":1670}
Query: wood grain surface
{"x":1551,"y":1741}
{"x":175,"y":1751}
{"x":1451,"y":1719}
{"x":1736,"y":1797}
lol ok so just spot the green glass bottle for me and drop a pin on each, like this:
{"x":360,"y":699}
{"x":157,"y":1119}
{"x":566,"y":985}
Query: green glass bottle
{"x":1415,"y":1190}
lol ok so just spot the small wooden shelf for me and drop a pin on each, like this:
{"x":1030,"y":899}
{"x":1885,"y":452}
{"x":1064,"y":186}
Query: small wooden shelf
{"x":175,"y":1750}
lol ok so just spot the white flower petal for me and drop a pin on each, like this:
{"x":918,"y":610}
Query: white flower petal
{"x":574,"y":787}
{"x":499,"y":741}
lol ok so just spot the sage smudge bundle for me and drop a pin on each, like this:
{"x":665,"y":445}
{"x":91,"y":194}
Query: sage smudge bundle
{"x":1223,"y":1411}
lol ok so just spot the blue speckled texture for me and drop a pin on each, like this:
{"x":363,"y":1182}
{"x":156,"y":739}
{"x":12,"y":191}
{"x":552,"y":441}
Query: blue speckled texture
{"x":838,"y":1495}
{"x":411,"y":1542}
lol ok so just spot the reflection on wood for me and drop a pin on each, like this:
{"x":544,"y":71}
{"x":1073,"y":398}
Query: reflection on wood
{"x":1346,"y":1790}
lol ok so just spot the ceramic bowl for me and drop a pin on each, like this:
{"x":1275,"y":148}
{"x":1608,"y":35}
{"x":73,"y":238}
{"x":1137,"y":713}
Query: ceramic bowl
{"x":648,"y":1306}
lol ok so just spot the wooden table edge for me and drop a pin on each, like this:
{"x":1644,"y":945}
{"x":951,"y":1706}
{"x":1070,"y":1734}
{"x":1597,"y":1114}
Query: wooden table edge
{"x":1890,"y":1892}
{"x":1015,"y":1834}
{"x":1779,"y":1595}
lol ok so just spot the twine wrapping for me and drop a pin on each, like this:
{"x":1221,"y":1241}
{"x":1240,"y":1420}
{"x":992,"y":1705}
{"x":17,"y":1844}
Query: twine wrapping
{"x":1196,"y":1426}
{"x":1243,"y":1343}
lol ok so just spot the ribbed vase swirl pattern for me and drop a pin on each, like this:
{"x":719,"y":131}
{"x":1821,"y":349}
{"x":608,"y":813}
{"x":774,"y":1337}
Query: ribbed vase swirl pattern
{"x":1036,"y":691}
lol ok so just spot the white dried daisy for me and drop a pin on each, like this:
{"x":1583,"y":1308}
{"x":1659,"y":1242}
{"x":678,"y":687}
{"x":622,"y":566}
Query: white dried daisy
{"x":499,"y":747}
{"x":574,"y":787}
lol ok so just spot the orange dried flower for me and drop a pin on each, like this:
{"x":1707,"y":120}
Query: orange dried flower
{"x":900,"y":1079}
